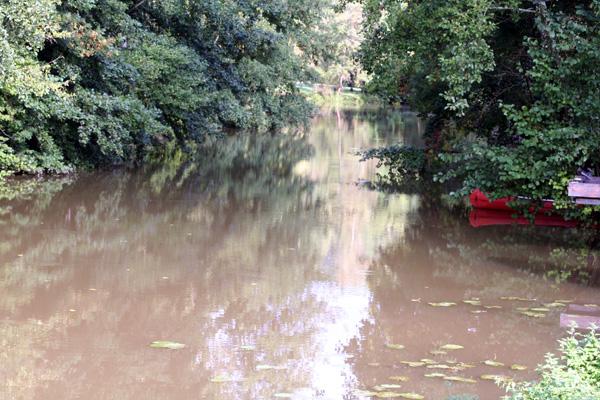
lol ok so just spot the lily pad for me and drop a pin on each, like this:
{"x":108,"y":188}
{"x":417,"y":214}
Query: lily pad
{"x":554,"y":305}
{"x":533,"y":314}
{"x":438,"y":366}
{"x":492,"y":307}
{"x":398,"y":378}
{"x":442,"y":304}
{"x":224,"y":379}
{"x":166,"y":344}
{"x":435,"y":375}
{"x":515,"y":298}
{"x":413,"y":363}
{"x":438,"y":352}
{"x":394,"y":346}
{"x":478,"y":311}
{"x":386,"y":395}
{"x":413,"y":396}
{"x":451,"y":347}
{"x":428,"y":361}
{"x":283,"y":395}
{"x":492,"y":363}
{"x":364,"y":393}
{"x":501,"y":378}
{"x":472,"y":302}
{"x":518,"y":367}
{"x":563,"y":301}
{"x":459,"y":379}
{"x":374,"y":364}
{"x":591,"y":305}
{"x":266,"y":367}
{"x":390,"y":386}
{"x":539,"y":309}
{"x":248,"y":348}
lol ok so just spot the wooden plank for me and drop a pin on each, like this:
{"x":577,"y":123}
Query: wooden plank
{"x":587,"y":202}
{"x":582,"y":321}
{"x":587,"y":190}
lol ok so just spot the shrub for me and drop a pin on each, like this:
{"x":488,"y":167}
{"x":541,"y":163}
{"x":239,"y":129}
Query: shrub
{"x":575,"y":375}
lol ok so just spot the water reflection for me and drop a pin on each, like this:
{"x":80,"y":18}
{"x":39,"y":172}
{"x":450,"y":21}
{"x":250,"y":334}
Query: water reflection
{"x":265,"y":253}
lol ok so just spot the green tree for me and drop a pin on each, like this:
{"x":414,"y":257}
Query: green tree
{"x":511,"y":87}
{"x":92,"y":82}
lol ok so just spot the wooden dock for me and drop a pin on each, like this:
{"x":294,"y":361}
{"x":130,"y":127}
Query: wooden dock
{"x":585,"y":189}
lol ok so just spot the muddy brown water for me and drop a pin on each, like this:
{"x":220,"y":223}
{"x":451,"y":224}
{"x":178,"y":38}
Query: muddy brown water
{"x":269,"y":253}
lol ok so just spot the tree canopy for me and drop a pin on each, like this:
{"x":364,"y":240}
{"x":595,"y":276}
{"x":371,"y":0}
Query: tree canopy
{"x":511,"y":87}
{"x":93,"y":82}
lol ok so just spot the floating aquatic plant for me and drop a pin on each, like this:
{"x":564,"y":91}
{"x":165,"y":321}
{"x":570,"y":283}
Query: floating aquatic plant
{"x":224,"y":379}
{"x":442,"y":304}
{"x":515,"y":298}
{"x":438,"y":352}
{"x":459,"y":379}
{"x":398,"y":378}
{"x":451,"y":347}
{"x":501,"y":378}
{"x":394,"y":346}
{"x":266,"y":367}
{"x":413,"y":363}
{"x":166,"y":344}
{"x":435,"y":375}
{"x":492,"y":363}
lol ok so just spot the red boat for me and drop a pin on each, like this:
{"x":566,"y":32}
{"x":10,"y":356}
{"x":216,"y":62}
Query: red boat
{"x":489,"y":217}
{"x":486,"y":212}
{"x":479,"y":200}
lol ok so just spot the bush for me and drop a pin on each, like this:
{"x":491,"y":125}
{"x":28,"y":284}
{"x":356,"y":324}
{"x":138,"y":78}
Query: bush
{"x":573,"y":376}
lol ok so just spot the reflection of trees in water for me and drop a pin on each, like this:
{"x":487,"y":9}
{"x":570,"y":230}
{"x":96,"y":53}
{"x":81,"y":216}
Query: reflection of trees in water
{"x":556,"y":254}
{"x":441,"y":258}
{"x":208,"y":219}
{"x":383,"y":126}
{"x":238,"y":235}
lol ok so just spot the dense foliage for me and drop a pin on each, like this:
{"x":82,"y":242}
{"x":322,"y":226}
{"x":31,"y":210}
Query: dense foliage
{"x":510,"y":86}
{"x":93,"y":82}
{"x":575,"y":376}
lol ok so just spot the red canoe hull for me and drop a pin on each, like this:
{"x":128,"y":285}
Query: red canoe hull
{"x":479,"y":200}
{"x":486,"y":213}
{"x":488,"y":217}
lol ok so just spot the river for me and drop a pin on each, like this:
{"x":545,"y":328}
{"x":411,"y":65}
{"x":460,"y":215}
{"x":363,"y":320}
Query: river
{"x":282,"y":274}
